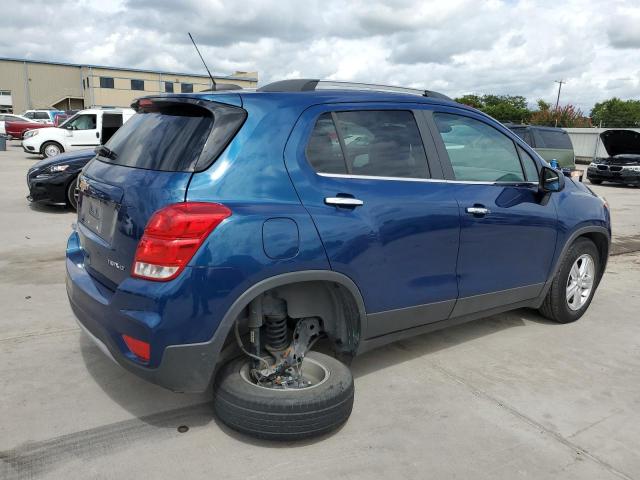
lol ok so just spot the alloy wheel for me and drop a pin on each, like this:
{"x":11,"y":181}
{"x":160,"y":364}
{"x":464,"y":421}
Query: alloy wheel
{"x":580,"y":282}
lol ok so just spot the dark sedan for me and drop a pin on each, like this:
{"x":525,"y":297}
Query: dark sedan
{"x":623,"y":163}
{"x":53,"y":180}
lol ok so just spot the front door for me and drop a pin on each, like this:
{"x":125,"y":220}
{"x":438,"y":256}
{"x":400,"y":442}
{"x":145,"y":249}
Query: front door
{"x":366,"y":178}
{"x":83,"y":132}
{"x":508,"y":228}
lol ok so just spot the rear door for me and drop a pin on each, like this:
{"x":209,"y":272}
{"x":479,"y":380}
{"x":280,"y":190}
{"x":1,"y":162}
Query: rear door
{"x":146,"y":165}
{"x":365,"y":176}
{"x":508,"y":228}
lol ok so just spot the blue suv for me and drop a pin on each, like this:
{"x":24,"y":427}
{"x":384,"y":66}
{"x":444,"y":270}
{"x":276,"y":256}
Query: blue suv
{"x":261,"y":239}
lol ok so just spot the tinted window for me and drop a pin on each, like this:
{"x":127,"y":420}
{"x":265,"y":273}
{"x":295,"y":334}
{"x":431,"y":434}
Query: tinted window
{"x":106,"y":82}
{"x":169,"y":139}
{"x":524,"y":134}
{"x":554,"y":139}
{"x":477,"y":151}
{"x":382,"y":143}
{"x":168,"y":87}
{"x":41,"y":116}
{"x":530,"y":166}
{"x":323,"y":150}
{"x":186,"y":87}
{"x":137,"y":84}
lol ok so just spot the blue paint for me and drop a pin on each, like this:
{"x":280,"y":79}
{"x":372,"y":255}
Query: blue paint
{"x":411,"y":243}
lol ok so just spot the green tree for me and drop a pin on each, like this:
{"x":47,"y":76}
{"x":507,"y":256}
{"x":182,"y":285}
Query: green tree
{"x":471,"y":100}
{"x":616,"y":113}
{"x":505,"y":108}
{"x":542,"y":105}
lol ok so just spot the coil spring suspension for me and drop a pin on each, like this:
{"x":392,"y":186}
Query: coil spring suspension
{"x":276,"y":331}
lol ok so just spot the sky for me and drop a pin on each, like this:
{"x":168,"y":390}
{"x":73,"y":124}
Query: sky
{"x":516,"y":47}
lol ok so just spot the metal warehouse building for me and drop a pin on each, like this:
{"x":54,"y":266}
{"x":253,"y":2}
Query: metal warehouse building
{"x":30,"y":84}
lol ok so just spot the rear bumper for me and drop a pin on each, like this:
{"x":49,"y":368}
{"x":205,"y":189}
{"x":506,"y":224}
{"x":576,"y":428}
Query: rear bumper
{"x":625,"y":177}
{"x":182,"y":368}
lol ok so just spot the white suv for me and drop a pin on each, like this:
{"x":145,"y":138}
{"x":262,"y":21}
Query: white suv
{"x":86,"y":129}
{"x":42,"y":116}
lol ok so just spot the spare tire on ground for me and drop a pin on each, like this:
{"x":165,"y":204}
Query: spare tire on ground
{"x":285,"y":414}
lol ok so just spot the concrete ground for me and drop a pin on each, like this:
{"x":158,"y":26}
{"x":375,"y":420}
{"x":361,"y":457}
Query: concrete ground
{"x":510,"y":396}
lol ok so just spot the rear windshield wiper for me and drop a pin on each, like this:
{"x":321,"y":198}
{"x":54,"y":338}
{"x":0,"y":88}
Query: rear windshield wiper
{"x":106,"y":152}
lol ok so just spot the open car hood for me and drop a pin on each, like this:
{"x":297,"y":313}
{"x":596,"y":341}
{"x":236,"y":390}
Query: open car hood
{"x":621,"y":142}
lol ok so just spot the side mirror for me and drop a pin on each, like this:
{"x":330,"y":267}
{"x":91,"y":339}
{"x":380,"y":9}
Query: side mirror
{"x":551,"y":180}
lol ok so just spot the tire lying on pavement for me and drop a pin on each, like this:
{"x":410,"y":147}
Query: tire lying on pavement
{"x":285,"y":414}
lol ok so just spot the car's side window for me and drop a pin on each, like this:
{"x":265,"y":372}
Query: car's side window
{"x":323,"y":150}
{"x":530,"y":166}
{"x":554,"y":139}
{"x":83,"y":122}
{"x":42,"y":116}
{"x":28,"y":115}
{"x":382,"y":143}
{"x":477,"y":151}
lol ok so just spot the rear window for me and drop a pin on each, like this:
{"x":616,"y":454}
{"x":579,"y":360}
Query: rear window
{"x":554,"y":139}
{"x":172,"y":137}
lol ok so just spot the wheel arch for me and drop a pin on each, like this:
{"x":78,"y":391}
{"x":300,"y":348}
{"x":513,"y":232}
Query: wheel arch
{"x":599,"y":235}
{"x":333,"y":297}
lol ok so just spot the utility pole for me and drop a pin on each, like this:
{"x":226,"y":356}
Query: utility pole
{"x":559,"y":82}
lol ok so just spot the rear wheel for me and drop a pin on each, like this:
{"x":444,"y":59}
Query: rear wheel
{"x":72,"y":193}
{"x":574,"y":284}
{"x":51,"y":149}
{"x":319,"y":404}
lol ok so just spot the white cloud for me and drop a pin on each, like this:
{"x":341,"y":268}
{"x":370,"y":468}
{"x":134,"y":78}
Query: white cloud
{"x":456,"y":46}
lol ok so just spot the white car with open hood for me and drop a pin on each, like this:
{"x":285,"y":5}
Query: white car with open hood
{"x":86,"y":129}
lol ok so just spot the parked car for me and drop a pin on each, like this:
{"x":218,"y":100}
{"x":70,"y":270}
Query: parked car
{"x":87,"y":128}
{"x":10,"y":117}
{"x":233,"y":235}
{"x":17,"y":129}
{"x":53,"y":180}
{"x":550,"y":143}
{"x":46,"y":116}
{"x":62,"y":117}
{"x":623,"y":163}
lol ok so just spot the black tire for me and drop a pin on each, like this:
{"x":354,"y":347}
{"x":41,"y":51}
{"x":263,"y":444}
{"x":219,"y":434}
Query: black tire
{"x":43,"y":149}
{"x":555,"y":306}
{"x":72,"y":198}
{"x":284,"y":414}
{"x":595,"y":182}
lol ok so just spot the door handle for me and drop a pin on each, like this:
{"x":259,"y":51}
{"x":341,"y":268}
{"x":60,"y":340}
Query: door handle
{"x":480,"y":211}
{"x":344,"y":201}
{"x":97,"y":135}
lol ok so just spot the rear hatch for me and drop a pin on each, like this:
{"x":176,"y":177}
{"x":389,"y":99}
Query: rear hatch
{"x":145,"y":166}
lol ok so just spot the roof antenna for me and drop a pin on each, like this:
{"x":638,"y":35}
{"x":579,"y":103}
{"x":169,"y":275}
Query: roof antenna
{"x":213,"y":82}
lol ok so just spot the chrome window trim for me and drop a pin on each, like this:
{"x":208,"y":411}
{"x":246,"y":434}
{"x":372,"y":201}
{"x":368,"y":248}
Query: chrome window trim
{"x":426,"y":180}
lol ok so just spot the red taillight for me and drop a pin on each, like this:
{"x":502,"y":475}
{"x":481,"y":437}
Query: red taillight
{"x":172,"y":237}
{"x":140,"y":349}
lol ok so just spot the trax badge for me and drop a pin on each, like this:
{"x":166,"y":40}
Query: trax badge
{"x":115,"y":264}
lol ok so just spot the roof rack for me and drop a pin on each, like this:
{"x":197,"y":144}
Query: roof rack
{"x":307,"y":84}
